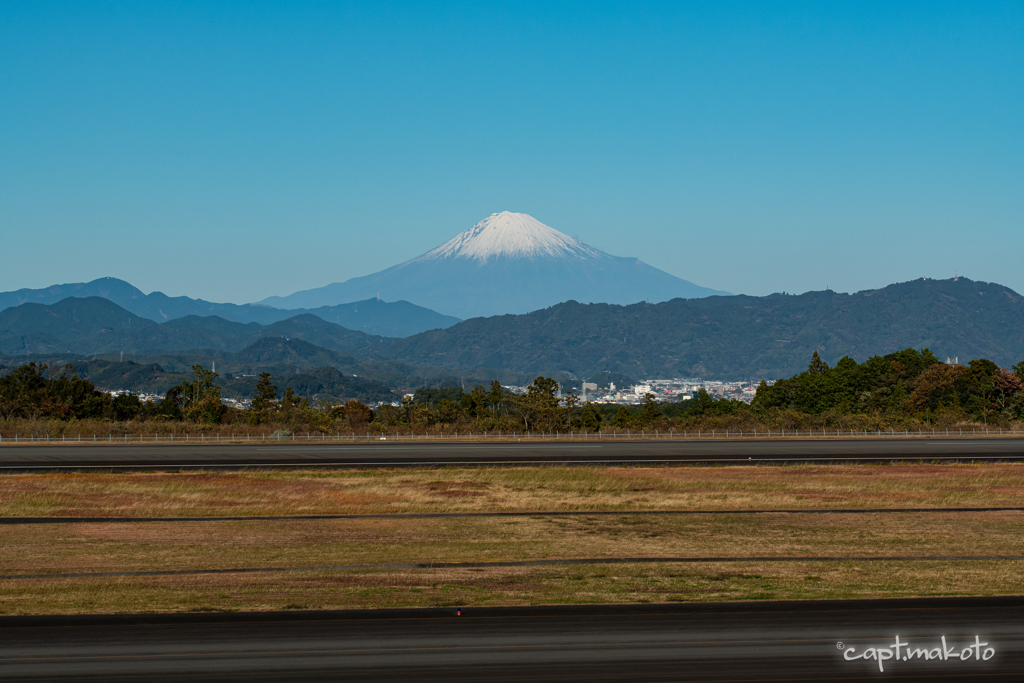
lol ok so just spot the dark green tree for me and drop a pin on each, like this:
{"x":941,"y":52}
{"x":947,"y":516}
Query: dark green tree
{"x":475,"y":403}
{"x":264,"y":401}
{"x":649,"y":412}
{"x":198,"y":399}
{"x":623,"y":418}
{"x":496,"y":396}
{"x":538,"y":408}
{"x":701,"y":404}
{"x":449,"y":412}
{"x":41,"y":390}
{"x":817,"y":365}
{"x":590,"y":418}
{"x":431,"y":396}
{"x":125,"y":407}
{"x":291,"y":403}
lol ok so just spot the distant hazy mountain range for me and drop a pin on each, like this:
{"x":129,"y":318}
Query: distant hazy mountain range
{"x":716,"y":337}
{"x":389,"y":319}
{"x":506,"y":263}
{"x":310,"y":370}
{"x":96,"y":325}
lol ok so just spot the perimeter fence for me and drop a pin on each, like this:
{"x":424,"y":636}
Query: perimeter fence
{"x":455,"y":436}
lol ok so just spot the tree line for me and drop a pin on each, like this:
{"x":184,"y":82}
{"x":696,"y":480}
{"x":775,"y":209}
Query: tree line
{"x":909,"y":387}
{"x":908,"y":383}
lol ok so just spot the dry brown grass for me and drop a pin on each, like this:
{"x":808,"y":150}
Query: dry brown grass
{"x":284,"y":492}
{"x":627,"y":583}
{"x":106,"y":547}
{"x":116,"y":547}
{"x":148,"y":546}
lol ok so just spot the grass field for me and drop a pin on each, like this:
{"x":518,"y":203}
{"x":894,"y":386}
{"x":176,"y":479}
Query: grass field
{"x":186,"y":545}
{"x":291,"y":492}
{"x":624,"y":583}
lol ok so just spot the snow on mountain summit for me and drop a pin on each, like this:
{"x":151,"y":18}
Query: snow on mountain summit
{"x":511,"y":235}
{"x":507,"y":263}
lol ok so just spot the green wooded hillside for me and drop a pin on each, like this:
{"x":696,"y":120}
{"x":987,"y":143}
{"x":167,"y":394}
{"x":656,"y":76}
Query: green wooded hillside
{"x":95,"y":325}
{"x":722,"y":337}
{"x":735,"y":336}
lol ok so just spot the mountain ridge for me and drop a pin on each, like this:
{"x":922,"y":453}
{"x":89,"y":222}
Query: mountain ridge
{"x":715,"y":337}
{"x":735,"y":337}
{"x":506,"y":263}
{"x":96,"y":325}
{"x":388,"y":319}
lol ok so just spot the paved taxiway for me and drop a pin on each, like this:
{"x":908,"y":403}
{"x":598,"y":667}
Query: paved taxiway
{"x":779,"y":641}
{"x":299,"y":454}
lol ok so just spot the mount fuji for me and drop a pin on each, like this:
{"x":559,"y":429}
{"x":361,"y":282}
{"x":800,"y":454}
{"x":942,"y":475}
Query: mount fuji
{"x":506,"y":263}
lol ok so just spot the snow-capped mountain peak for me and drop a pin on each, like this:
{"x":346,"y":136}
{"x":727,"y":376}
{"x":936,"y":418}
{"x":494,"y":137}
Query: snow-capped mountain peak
{"x":511,"y":235}
{"x":506,"y":263}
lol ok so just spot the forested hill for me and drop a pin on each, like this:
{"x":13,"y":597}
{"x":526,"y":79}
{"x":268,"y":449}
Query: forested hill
{"x":96,"y":325}
{"x":374,"y":317}
{"x":716,"y":337}
{"x":735,"y":336}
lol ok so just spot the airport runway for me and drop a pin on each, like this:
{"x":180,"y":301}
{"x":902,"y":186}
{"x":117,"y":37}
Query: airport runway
{"x":781,"y":641}
{"x":299,"y":454}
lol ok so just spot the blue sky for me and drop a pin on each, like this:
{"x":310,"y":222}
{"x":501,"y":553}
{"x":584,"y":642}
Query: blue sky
{"x":232,"y":151}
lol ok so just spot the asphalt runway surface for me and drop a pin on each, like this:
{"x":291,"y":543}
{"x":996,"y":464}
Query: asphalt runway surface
{"x":772,"y":641}
{"x":373,"y":454}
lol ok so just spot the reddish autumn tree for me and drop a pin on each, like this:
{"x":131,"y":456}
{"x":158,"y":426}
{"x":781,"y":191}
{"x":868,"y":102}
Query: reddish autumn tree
{"x":1007,"y":384}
